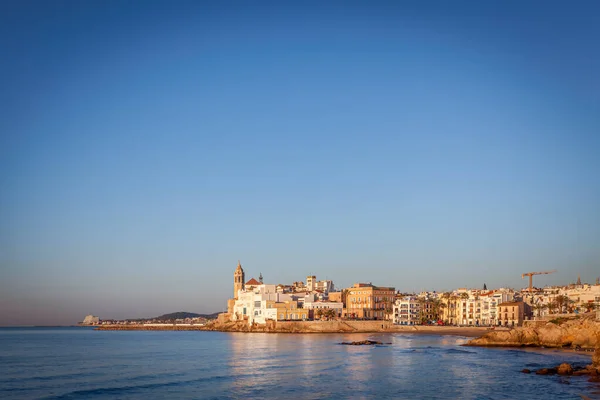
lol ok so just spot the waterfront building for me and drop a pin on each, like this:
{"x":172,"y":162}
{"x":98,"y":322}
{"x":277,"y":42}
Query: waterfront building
{"x":512,"y":313}
{"x":91,"y":320}
{"x":366,"y":301}
{"x":254,"y":301}
{"x":407,"y":311}
{"x":312,"y":302}
{"x":239,"y":277}
{"x":288,"y":310}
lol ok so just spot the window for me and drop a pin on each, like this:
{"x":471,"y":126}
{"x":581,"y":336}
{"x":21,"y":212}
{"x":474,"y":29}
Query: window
{"x":257,"y":304}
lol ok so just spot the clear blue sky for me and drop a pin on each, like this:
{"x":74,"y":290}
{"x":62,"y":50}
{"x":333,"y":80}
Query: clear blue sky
{"x":147,"y":146}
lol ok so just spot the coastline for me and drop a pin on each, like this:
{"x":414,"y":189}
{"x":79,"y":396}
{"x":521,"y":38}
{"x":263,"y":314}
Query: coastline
{"x":311,"y":327}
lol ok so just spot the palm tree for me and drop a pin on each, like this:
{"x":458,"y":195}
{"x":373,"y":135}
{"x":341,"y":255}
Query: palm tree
{"x":561,"y":302}
{"x":446,"y":298}
{"x":319,"y":313}
{"x":454,"y":299}
{"x":440,"y":309}
{"x":344,"y":296}
{"x":539,"y":308}
{"x":551,"y":306}
{"x":422,"y":301}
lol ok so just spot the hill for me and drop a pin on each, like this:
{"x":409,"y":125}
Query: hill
{"x":184,"y":315}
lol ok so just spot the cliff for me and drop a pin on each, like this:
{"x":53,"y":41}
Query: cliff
{"x":577,"y":333}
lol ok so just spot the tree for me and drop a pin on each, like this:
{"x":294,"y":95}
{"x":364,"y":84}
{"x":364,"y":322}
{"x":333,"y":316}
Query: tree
{"x":551,"y":307}
{"x":562,"y":303}
{"x":539,"y":308}
{"x":319,"y":313}
{"x":344,"y":296}
{"x":329,"y":313}
{"x":590,"y":307}
{"x":422,"y":309}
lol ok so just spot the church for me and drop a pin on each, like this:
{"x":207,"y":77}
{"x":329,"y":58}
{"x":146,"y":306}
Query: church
{"x":255,"y":302}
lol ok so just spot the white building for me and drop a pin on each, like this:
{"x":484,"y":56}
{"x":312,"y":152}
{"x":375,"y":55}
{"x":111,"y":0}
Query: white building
{"x":312,"y":284}
{"x":91,"y":320}
{"x":312,"y":302}
{"x":481,"y":308}
{"x":251,"y":304}
{"x":406,"y":311}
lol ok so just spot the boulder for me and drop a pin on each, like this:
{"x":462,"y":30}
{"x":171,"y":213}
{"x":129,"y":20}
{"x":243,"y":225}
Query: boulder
{"x":564,"y":369}
{"x":526,"y":371}
{"x":546,"y":371}
{"x":596,"y":357}
{"x":581,"y":372}
{"x":363,"y":343}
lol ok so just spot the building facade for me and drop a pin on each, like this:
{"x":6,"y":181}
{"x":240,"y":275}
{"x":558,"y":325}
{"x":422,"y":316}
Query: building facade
{"x":512,"y":313}
{"x":366,"y":301}
{"x":407,"y":311}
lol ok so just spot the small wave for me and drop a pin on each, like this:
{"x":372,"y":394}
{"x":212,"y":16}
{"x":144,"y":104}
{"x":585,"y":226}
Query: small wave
{"x":533,"y":365}
{"x":124,"y":389}
{"x":457,"y":351}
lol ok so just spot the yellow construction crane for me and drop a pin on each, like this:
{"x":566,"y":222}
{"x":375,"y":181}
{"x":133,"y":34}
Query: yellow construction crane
{"x":531,"y":274}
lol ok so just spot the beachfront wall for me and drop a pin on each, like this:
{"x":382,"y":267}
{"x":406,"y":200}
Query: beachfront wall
{"x":333,"y":326}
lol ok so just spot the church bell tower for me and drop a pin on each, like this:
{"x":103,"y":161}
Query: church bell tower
{"x":239,"y":277}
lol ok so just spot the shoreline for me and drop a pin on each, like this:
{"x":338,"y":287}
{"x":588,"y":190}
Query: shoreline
{"x":398,"y":329}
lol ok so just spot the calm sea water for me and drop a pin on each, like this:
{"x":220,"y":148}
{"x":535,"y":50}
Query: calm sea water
{"x":74,"y":363}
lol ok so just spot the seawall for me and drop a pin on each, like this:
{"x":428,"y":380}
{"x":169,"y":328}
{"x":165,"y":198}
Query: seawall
{"x":336,"y":326}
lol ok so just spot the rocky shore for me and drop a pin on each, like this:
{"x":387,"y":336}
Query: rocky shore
{"x":566,"y":369}
{"x":579,"y":333}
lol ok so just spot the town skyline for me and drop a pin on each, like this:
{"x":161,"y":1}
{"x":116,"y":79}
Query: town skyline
{"x":120,"y":314}
{"x":145,"y":147}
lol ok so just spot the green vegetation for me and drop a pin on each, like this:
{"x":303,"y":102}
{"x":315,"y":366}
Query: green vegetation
{"x":184,"y":315}
{"x":558,"y":321}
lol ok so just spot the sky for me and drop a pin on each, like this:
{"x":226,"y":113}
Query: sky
{"x":147,"y":146}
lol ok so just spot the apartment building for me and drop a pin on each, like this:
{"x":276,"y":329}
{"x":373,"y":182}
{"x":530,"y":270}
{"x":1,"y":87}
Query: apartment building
{"x":512,"y":313}
{"x":407,"y":311}
{"x":367,"y":301}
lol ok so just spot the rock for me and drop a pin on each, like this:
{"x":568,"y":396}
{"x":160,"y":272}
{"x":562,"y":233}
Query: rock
{"x":546,"y":371}
{"x":594,"y":379}
{"x":578,"y":332}
{"x":526,"y":371}
{"x":543,"y":371}
{"x":564,"y":369}
{"x":596,"y":357}
{"x":363,"y":343}
{"x":581,"y":372}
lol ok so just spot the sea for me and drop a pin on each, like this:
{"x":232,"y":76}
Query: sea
{"x":81,"y":363}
